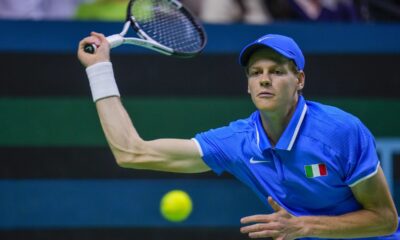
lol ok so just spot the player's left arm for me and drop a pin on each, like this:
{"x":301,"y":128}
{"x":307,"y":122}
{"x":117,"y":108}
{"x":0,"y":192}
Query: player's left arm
{"x":377,"y":218}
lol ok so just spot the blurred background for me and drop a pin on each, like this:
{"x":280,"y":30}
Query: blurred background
{"x":58,"y":179}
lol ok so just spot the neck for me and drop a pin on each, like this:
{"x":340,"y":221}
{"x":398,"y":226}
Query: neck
{"x":275,"y":123}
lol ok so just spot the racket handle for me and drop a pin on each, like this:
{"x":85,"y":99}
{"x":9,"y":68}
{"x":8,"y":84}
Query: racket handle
{"x":89,"y":48}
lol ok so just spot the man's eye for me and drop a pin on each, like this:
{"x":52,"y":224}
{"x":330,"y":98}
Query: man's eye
{"x":255,"y":73}
{"x":278,"y":72}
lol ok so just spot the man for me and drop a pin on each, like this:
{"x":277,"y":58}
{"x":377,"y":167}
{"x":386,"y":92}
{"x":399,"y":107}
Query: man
{"x":316,"y":164}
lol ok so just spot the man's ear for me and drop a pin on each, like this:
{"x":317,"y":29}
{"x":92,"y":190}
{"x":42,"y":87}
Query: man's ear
{"x":246,"y":72}
{"x":301,"y":80}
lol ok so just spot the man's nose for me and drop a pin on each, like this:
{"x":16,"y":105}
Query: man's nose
{"x":265,"y":80}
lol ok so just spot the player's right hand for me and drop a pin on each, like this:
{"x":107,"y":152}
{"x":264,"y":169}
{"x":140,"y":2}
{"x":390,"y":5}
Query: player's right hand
{"x":102,"y":53}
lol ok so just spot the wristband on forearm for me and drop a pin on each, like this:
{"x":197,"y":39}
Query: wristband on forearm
{"x":102,"y":80}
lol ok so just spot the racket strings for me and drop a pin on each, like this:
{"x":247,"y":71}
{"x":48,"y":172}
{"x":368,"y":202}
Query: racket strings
{"x":167,"y":25}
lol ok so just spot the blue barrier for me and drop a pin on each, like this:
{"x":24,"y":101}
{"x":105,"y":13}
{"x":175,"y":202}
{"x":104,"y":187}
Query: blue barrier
{"x":31,"y":204}
{"x":314,"y":38}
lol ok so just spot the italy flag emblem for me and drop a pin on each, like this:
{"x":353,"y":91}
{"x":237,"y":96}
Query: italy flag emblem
{"x":315,"y":170}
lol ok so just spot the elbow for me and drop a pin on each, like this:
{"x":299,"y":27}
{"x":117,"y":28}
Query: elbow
{"x":129,"y":157}
{"x":125,"y":160}
{"x":121,"y":160}
{"x":394,"y":224}
{"x":391,"y":222}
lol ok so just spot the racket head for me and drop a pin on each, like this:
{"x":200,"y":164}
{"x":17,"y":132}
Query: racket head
{"x":168,"y":23}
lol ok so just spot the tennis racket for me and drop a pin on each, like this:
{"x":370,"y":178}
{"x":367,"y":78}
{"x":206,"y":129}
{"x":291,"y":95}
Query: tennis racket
{"x":165,"y":26}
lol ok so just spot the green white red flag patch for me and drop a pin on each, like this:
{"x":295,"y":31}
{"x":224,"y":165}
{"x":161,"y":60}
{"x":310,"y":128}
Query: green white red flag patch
{"x":315,"y":170}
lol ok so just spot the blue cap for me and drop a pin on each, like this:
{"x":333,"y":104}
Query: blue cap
{"x":281,"y":44}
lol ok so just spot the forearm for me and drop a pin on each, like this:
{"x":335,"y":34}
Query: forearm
{"x":117,"y":127}
{"x":362,"y":223}
{"x":116,"y":124}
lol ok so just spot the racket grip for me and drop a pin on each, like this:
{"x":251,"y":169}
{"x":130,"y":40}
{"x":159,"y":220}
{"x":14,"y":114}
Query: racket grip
{"x":89,"y":48}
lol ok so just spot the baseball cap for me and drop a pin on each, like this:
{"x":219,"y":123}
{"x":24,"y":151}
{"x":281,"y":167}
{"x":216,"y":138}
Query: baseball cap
{"x":286,"y":46}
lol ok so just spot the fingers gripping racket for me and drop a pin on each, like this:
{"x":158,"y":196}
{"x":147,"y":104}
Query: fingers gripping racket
{"x":165,"y":26}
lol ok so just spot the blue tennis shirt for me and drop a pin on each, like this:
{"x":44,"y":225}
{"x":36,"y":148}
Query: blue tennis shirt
{"x":321,"y":154}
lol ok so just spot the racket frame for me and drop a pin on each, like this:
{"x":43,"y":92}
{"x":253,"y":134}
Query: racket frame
{"x":159,"y":47}
{"x":146,"y":41}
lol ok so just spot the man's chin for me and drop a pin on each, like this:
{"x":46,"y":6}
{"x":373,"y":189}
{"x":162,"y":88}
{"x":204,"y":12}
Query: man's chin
{"x":266,"y":107}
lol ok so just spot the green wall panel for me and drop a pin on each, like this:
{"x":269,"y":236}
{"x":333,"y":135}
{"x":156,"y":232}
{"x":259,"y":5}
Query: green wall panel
{"x":74,"y":122}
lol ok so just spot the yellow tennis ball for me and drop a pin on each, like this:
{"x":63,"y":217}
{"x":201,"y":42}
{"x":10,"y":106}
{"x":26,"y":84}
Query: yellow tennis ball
{"x":176,"y":206}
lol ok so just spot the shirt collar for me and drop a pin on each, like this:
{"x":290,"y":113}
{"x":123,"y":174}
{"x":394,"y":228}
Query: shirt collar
{"x":286,"y":141}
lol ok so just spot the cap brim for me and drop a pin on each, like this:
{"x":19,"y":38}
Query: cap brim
{"x":251,"y":48}
{"x":248,"y":51}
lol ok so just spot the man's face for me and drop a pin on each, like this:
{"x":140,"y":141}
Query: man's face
{"x":272,"y":84}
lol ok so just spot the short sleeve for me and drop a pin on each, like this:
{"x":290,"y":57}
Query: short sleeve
{"x":363,"y":160}
{"x":214,"y":144}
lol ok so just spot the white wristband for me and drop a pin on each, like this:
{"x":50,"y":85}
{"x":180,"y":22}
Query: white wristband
{"x":102,"y":81}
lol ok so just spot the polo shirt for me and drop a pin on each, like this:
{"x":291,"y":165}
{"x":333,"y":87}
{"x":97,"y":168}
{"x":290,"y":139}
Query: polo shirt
{"x":321,"y":154}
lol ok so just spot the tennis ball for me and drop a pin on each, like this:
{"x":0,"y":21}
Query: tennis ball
{"x":143,"y":10}
{"x":176,"y":206}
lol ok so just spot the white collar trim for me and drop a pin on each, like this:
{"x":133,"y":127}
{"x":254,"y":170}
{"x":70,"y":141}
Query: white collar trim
{"x":296,"y":131}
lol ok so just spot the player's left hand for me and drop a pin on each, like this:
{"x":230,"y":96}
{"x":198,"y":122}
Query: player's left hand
{"x":279,"y":225}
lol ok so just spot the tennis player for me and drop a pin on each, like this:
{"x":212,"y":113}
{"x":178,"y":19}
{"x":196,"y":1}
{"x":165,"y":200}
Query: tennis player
{"x":316,"y":165}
